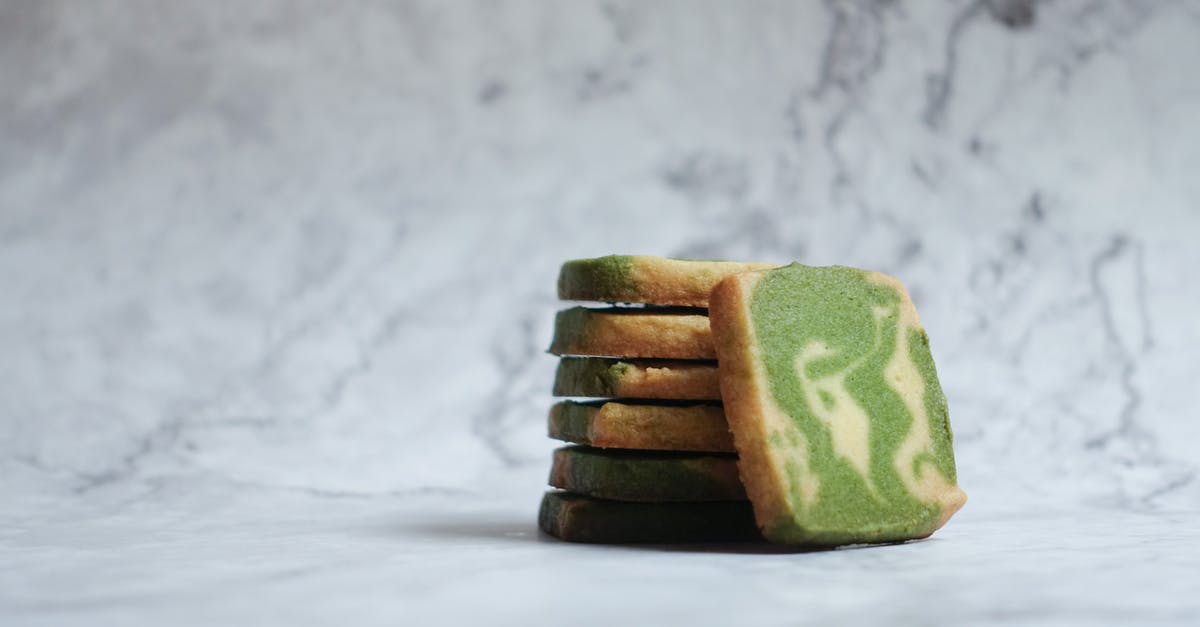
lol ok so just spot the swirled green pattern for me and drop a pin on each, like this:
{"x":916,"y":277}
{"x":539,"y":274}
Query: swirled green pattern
{"x":849,"y":364}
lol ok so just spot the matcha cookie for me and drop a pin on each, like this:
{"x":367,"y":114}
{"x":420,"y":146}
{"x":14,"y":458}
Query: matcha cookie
{"x":577,"y":518}
{"x":654,"y":476}
{"x":643,"y":279}
{"x":639,"y":378}
{"x":839,"y":421}
{"x":658,"y":427}
{"x":623,"y":332}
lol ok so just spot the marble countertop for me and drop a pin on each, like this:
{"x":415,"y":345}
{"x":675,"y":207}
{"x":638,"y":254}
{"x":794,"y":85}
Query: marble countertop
{"x":277,"y":279}
{"x":192,"y":553}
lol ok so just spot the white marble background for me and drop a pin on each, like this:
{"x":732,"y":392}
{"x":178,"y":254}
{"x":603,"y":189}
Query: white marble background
{"x":260,"y":254}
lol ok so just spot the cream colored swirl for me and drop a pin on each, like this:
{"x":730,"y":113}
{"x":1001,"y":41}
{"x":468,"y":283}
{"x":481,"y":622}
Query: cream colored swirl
{"x":848,"y":423}
{"x":923,"y":479}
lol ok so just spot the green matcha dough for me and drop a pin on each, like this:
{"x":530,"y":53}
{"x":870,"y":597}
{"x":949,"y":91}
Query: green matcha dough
{"x":577,"y":518}
{"x":646,"y":279}
{"x":830,"y":390}
{"x":648,"y":476}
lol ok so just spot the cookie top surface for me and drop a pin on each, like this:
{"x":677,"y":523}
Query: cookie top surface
{"x":646,"y":279}
{"x":832,"y":395}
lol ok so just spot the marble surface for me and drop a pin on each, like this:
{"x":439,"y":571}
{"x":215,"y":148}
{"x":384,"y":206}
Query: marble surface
{"x":216,"y":553}
{"x":277,"y":281}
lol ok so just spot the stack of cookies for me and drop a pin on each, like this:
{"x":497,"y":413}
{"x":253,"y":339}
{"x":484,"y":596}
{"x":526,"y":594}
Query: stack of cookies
{"x":806,"y":409}
{"x":652,"y":458}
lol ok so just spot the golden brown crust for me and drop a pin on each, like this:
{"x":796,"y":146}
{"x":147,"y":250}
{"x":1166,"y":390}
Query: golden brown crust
{"x":620,"y":333}
{"x":646,"y":279}
{"x":750,"y":419}
{"x":694,"y":428}
{"x":637,"y":378}
{"x":659,"y":427}
{"x":682,"y":282}
{"x":674,"y":379}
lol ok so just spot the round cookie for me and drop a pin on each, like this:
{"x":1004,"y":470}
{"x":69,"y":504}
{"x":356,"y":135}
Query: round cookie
{"x":660,"y":427}
{"x":623,"y":332}
{"x":648,"y":476}
{"x":646,"y":279}
{"x":578,"y":518}
{"x":637,"y":378}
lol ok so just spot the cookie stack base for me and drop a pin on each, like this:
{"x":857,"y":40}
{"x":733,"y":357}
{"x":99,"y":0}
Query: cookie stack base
{"x":576,"y":518}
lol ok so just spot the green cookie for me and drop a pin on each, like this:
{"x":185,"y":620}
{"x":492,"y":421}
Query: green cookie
{"x":577,"y":518}
{"x":646,"y":279}
{"x":830,"y":390}
{"x":648,"y":476}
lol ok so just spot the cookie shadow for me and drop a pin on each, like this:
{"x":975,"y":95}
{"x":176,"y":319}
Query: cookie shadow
{"x":758,"y":547}
{"x":519,"y":530}
{"x":529,"y":532}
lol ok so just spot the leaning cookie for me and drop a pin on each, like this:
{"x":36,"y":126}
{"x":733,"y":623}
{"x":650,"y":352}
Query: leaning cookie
{"x":645,"y":279}
{"x":644,"y":426}
{"x":578,"y":518}
{"x":838,"y":418}
{"x":621,"y":332}
{"x":649,"y":476}
{"x":637,"y":378}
